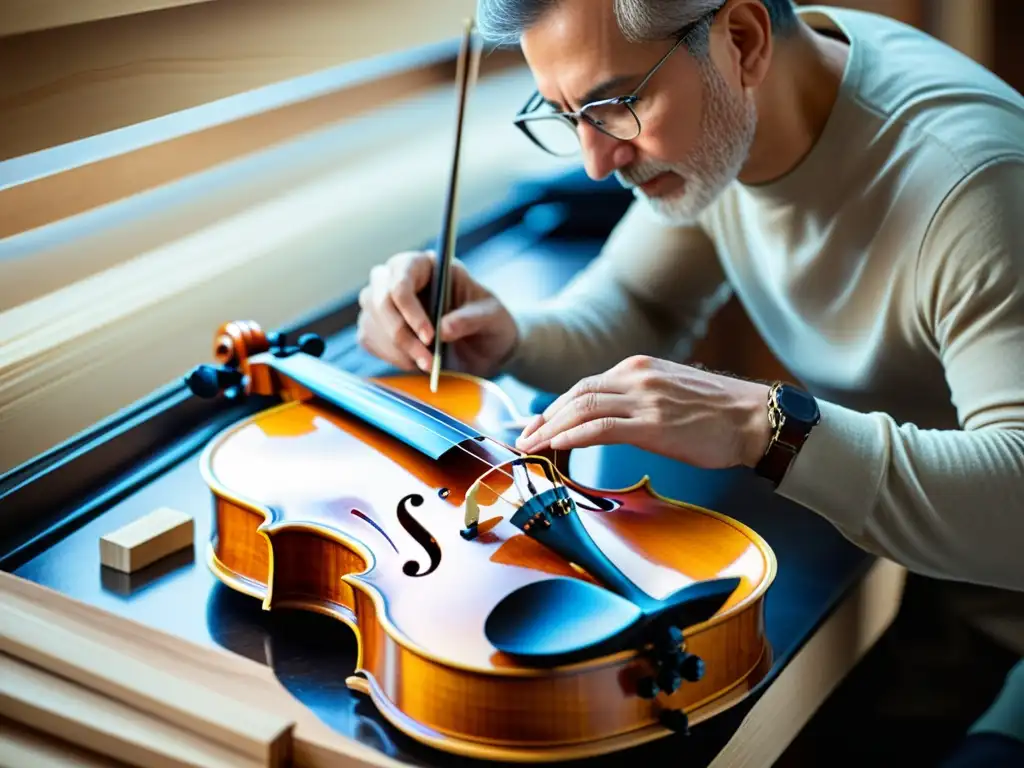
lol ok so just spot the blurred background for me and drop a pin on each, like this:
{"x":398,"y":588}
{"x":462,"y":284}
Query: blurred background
{"x":167,"y":165}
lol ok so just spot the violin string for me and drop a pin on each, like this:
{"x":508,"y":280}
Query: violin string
{"x":387,"y":393}
{"x":384,"y":390}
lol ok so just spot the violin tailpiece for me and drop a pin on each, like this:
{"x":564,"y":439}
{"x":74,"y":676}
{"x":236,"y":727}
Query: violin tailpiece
{"x":551,"y":519}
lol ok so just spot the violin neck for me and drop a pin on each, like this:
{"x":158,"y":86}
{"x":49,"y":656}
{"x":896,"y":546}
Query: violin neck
{"x":419,"y":425}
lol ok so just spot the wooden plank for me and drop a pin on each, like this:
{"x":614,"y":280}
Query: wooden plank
{"x":49,"y":641}
{"x":118,"y":72}
{"x":58,"y":183}
{"x":315,"y":745}
{"x":19,"y":16}
{"x":143,"y":541}
{"x":56,"y":706}
{"x":23,"y":746}
{"x":827,"y":657}
{"x":102,"y":169}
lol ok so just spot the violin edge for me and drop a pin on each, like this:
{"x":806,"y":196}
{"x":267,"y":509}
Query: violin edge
{"x":353,"y":580}
{"x":567,"y":750}
{"x":362,"y":680}
{"x":556,"y":726}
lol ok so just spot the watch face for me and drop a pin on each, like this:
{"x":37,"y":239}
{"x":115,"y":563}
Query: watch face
{"x":798,"y":405}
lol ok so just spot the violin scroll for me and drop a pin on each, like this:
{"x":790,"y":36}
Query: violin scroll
{"x":235,"y":343}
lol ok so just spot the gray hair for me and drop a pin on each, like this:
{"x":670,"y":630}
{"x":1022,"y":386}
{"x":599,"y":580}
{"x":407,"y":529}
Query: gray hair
{"x":641,"y":21}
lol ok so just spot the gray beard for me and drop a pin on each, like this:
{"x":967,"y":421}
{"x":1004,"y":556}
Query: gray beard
{"x":726,"y":134}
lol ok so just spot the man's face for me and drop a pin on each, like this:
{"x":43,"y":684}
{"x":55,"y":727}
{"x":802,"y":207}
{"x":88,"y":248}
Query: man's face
{"x":696,"y":130}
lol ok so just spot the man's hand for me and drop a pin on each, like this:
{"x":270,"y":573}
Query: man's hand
{"x":702,"y":418}
{"x":393,"y":324}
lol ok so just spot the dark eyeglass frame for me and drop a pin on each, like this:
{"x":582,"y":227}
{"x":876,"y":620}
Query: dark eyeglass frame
{"x":524,"y":116}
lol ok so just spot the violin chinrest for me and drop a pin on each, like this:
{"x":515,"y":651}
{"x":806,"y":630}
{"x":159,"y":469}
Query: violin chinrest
{"x":563,"y":620}
{"x":557,"y":620}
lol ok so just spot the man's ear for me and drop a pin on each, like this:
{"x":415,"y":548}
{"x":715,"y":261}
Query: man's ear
{"x":745,"y":45}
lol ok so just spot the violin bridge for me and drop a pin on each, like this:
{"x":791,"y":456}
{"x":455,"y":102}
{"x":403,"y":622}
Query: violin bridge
{"x":472,"y":517}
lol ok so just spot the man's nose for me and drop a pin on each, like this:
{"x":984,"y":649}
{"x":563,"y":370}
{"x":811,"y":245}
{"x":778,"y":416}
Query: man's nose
{"x":603,"y":154}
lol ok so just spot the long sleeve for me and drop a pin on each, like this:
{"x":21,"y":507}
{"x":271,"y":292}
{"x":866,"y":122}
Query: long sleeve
{"x":651,"y":290}
{"x":946,"y":503}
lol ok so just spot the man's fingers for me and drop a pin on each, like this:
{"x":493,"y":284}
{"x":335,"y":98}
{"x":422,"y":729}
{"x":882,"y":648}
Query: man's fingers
{"x":608,"y":430}
{"x":406,"y":279}
{"x":414,"y":348}
{"x":587,"y":407}
{"x":392,"y":337}
{"x":609,"y":381}
{"x":467,"y":320}
{"x":386,"y":352}
{"x":396,"y":327}
{"x":612,"y":382}
{"x":530,"y":428}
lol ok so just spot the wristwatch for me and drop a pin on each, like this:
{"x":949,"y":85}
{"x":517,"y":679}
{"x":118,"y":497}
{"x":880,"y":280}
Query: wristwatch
{"x":792,"y":413}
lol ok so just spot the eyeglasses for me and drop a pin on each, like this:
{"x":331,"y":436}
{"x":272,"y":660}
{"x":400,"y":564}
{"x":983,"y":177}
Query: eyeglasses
{"x":557,"y":132}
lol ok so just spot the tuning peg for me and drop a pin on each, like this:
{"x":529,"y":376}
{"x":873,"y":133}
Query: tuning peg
{"x":277,"y":344}
{"x":669,"y":640}
{"x":669,"y":680}
{"x":312,"y":344}
{"x":675,"y":720}
{"x":208,"y":381}
{"x":691,"y":667}
{"x":647,"y":688}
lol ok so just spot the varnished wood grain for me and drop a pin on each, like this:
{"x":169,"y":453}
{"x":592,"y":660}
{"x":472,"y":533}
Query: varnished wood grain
{"x":327,"y":488}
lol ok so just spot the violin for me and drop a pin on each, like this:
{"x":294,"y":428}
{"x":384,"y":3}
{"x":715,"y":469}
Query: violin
{"x":501,"y":610}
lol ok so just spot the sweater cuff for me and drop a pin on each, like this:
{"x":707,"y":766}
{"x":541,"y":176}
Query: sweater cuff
{"x":840,"y":467}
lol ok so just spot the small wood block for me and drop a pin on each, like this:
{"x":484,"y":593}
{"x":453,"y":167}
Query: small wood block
{"x":146,"y":540}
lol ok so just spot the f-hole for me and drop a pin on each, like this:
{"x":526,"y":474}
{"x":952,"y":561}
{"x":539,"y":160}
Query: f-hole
{"x":422,"y":536}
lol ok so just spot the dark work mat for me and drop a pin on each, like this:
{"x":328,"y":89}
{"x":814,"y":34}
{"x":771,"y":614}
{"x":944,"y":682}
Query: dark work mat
{"x":312,"y":654}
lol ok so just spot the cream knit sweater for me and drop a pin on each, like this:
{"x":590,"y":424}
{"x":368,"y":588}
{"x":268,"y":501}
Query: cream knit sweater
{"x":886,"y":272}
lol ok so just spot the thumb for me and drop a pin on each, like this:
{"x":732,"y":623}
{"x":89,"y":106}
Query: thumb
{"x":467,"y":320}
{"x":421,"y":269}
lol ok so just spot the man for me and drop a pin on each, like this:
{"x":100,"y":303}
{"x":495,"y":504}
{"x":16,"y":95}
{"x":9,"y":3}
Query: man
{"x":858,"y":185}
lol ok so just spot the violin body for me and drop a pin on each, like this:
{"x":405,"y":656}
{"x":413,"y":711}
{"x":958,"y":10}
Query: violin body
{"x":317,"y":507}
